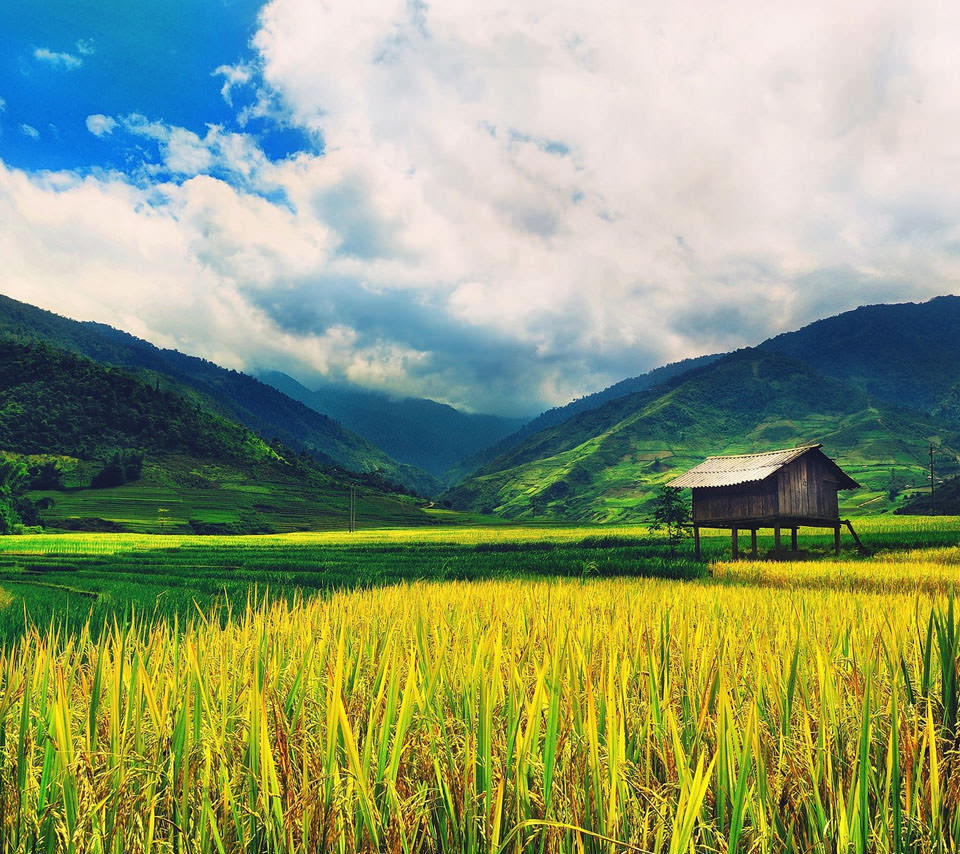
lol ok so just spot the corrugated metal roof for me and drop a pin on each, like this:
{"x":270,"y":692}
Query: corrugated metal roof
{"x":742,"y":468}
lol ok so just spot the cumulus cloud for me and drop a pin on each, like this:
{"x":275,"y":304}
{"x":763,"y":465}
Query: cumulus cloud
{"x":101,"y":125}
{"x":57,"y":59}
{"x":648,"y":180}
{"x":520,"y":203}
{"x":185,"y":154}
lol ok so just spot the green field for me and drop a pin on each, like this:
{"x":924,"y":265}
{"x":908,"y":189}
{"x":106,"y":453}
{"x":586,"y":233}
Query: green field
{"x":74,"y":577}
{"x":183,"y":495}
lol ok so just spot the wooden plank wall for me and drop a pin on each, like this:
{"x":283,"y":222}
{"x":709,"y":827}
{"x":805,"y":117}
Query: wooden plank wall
{"x":749,"y":501}
{"x":807,"y":488}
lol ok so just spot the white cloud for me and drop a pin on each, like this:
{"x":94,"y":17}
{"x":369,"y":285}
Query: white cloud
{"x":85,"y":47}
{"x":522,"y":202}
{"x":3,"y":105}
{"x":233,"y":76}
{"x":175,"y":264}
{"x":29,"y":131}
{"x":101,"y":125}
{"x":594,"y":181}
{"x":57,"y":59}
{"x":186,"y":153}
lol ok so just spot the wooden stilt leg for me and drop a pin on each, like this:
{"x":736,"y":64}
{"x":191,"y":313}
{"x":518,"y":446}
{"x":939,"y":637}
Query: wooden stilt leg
{"x":753,"y":543}
{"x":793,"y":539}
{"x":735,"y":543}
{"x":836,"y":540}
{"x":776,"y":539}
{"x":696,"y":542}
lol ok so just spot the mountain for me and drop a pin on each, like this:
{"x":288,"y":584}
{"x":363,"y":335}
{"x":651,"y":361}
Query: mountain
{"x":949,"y":405}
{"x":232,"y":394}
{"x":907,"y":353}
{"x":603,"y":464}
{"x":111,"y":452}
{"x":559,"y":414}
{"x":429,"y":435}
{"x":58,"y":402}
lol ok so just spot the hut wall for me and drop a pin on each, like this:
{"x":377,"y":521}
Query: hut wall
{"x":807,"y":488}
{"x":756,"y":500}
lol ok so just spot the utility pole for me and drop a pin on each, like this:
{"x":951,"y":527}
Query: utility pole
{"x":353,"y":509}
{"x":932,"y":510}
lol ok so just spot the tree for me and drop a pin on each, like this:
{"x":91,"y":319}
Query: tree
{"x":671,"y":511}
{"x":895,"y":485}
{"x":13,"y":481}
{"x":122,"y":466}
{"x":47,"y":474}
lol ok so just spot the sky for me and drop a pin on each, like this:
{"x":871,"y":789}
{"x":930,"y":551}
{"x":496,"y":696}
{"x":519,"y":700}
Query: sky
{"x":501,"y":206}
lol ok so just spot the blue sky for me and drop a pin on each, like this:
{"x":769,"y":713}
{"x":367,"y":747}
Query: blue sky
{"x":501,"y":206}
{"x":64,"y":60}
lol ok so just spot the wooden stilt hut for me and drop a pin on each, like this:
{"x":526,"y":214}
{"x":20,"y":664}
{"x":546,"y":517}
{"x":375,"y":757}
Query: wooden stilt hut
{"x":789,"y":488}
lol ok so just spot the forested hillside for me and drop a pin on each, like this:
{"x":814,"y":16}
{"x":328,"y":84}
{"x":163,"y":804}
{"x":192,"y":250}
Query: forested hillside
{"x":907,"y":354}
{"x":102,"y":449}
{"x":232,"y":394}
{"x":56,"y":402}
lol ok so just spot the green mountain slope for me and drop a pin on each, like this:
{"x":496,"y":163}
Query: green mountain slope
{"x":604,"y":464}
{"x":199,"y":470}
{"x":54,"y":401}
{"x":232,"y":394}
{"x":945,"y":502}
{"x":429,"y":435}
{"x":552,"y":417}
{"x":907,"y":354}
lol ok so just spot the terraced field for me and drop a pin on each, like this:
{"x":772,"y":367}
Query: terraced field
{"x":81,"y":576}
{"x":185,"y":496}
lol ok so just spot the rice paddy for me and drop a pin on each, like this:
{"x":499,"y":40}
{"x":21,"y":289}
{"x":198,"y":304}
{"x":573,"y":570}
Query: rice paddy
{"x":769,"y":706}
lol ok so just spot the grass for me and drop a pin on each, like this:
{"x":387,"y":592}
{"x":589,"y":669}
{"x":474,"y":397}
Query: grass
{"x":74,"y":578}
{"x":773,"y":706}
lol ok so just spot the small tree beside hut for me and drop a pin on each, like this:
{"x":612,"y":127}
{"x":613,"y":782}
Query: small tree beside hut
{"x":671,"y":511}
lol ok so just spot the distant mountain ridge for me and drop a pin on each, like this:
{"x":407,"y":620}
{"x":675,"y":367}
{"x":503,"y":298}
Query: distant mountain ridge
{"x":53,"y":401}
{"x":875,"y":385}
{"x":604,"y":464}
{"x":429,"y":435}
{"x":903,"y":353}
{"x":907,"y":354}
{"x":559,"y":414}
{"x":233,"y":394}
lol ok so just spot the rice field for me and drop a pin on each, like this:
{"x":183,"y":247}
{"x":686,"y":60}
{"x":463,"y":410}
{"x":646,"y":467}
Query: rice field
{"x":772,"y":706}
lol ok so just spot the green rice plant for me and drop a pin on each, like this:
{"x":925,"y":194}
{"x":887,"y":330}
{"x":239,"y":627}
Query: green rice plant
{"x":633,"y":715}
{"x":809,"y":706}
